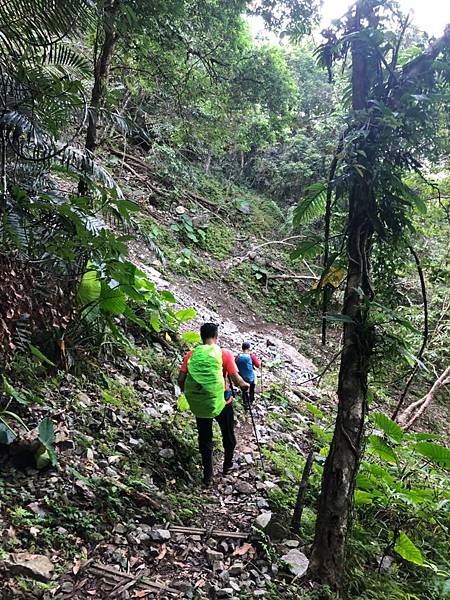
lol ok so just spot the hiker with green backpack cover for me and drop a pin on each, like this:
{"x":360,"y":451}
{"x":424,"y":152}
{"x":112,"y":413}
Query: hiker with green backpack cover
{"x":204,"y":378}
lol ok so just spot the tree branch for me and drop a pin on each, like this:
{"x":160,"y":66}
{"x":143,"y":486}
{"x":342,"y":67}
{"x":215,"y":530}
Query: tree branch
{"x":425,"y":332}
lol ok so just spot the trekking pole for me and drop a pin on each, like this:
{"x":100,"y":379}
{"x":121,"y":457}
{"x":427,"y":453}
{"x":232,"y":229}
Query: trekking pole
{"x":262,"y":386}
{"x":256,"y":436}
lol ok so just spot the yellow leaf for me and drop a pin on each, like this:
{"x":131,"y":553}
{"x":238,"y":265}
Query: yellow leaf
{"x":334,"y":278}
{"x":168,"y":338}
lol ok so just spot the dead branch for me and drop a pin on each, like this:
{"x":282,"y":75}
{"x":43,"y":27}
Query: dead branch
{"x":250,"y":255}
{"x":294,"y":277}
{"x":417,"y":408}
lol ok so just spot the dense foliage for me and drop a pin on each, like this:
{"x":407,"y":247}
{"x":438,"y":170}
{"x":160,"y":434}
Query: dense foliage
{"x":120,"y":118}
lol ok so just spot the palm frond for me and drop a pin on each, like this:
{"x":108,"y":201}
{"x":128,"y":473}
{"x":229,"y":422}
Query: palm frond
{"x":312,"y":205}
{"x":80,"y":162}
{"x":37,"y":23}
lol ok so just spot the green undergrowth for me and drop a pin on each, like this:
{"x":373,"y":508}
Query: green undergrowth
{"x":401,"y":510}
{"x":109,"y":467}
{"x":196,"y":242}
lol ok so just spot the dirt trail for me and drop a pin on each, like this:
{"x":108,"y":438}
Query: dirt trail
{"x":208,"y":566}
{"x":211,"y":566}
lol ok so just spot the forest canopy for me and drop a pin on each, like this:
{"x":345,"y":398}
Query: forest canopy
{"x":160,"y":162}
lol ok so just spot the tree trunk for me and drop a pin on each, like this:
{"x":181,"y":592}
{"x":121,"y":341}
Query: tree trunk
{"x":301,"y":494}
{"x":327,"y":563}
{"x":102,"y":67}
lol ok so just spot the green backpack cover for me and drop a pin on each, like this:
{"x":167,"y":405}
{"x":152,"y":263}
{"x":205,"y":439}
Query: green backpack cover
{"x":204,"y":386}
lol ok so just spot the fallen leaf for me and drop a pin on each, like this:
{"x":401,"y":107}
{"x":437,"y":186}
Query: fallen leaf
{"x":163,"y":552}
{"x":200,"y":583}
{"x":34,"y":531}
{"x":76,"y":567}
{"x":244,"y":549}
{"x":142,"y":593}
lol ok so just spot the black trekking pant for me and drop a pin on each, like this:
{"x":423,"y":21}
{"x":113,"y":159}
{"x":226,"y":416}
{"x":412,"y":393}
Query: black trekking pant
{"x":205,"y":439}
{"x":249,"y":397}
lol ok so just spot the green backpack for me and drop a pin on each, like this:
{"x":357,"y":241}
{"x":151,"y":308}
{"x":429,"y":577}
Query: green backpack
{"x":204,"y":386}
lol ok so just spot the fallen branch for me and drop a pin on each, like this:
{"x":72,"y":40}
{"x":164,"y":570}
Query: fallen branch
{"x":417,"y":408}
{"x":251,"y":254}
{"x":139,"y":497}
{"x":211,"y":533}
{"x":123,"y":580}
{"x":324,"y":370}
{"x":287,"y":276}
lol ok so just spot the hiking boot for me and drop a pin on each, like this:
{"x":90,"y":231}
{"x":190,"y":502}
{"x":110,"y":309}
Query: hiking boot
{"x":228,"y":467}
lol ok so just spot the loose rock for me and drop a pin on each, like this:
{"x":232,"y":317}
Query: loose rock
{"x":263,"y":519}
{"x":36,"y":566}
{"x":296,"y":561}
{"x":160,"y":535}
{"x":243,"y":487}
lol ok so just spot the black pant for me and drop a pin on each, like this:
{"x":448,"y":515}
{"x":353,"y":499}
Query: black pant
{"x":249,"y":397}
{"x":205,"y":439}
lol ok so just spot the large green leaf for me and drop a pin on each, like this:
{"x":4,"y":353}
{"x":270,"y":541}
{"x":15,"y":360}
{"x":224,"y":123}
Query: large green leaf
{"x":362,"y":497}
{"x":113,"y":302}
{"x":11,"y":392}
{"x":379,"y":447}
{"x":314,"y":410}
{"x":46,"y":432}
{"x":436,"y":453}
{"x":185,"y":314}
{"x":408,"y":550}
{"x":312,"y":205}
{"x":90,"y":287}
{"x":7,"y":435}
{"x":388,"y":426}
{"x":40,"y":356}
{"x":191,"y":337}
{"x":168,"y":296}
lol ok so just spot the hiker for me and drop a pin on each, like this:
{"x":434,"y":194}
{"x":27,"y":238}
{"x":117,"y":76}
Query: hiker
{"x":204,"y":377}
{"x":246,"y":364}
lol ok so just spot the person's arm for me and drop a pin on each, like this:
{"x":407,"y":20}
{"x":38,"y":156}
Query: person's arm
{"x":183,"y":371}
{"x":181,"y":379}
{"x":256,"y":362}
{"x":237,"y":379}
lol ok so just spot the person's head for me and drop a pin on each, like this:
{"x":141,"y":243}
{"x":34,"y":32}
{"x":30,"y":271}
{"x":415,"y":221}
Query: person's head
{"x":246,"y":347}
{"x":209,"y":332}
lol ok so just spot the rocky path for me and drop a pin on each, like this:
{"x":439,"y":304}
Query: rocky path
{"x":203,"y":564}
{"x":142,"y":556}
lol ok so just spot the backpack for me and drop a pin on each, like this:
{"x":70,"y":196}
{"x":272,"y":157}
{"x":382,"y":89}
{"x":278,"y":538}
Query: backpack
{"x":204,"y":386}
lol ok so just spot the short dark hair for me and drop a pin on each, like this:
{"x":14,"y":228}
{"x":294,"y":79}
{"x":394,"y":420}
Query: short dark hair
{"x":246,"y":346}
{"x":208,"y":331}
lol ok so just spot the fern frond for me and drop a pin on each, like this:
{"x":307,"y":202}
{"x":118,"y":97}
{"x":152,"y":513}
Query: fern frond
{"x":79,"y":162}
{"x":34,"y":23}
{"x":312,"y":205}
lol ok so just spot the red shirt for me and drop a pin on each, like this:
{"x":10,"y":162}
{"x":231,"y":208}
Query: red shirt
{"x":255,"y":361}
{"x":229,"y":366}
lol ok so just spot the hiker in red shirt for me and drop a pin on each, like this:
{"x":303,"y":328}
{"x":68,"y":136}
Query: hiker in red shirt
{"x":204,"y":377}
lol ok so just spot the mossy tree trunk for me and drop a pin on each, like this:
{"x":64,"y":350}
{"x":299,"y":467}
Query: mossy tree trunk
{"x":327,"y":563}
